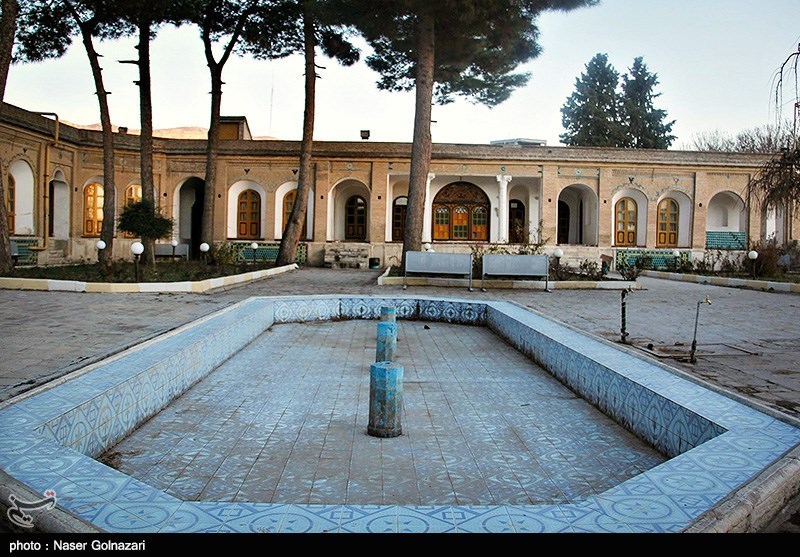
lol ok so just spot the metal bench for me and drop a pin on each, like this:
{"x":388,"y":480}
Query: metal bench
{"x":517,"y":266}
{"x":431,"y":262}
{"x":14,"y":251}
{"x":166,"y":250}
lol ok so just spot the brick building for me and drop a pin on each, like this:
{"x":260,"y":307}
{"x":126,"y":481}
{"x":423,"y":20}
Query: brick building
{"x":590,"y":202}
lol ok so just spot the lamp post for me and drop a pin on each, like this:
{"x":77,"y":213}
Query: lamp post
{"x":692,"y":358}
{"x":254,"y":246}
{"x":204,"y":248}
{"x":677,"y":255}
{"x":558,"y":253}
{"x":752,"y":255}
{"x":100,"y":245}
{"x":174,"y":244}
{"x":623,"y":333}
{"x":137,"y":249}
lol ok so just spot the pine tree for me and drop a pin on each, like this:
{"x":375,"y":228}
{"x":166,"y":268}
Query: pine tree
{"x":592,"y":115}
{"x":442,"y":49}
{"x":647,"y":128}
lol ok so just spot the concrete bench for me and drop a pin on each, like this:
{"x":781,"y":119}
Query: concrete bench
{"x":516,"y":266}
{"x":431,"y":262}
{"x":14,"y":248}
{"x":165,"y":250}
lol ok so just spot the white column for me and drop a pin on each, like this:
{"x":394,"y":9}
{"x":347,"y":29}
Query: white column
{"x":427,"y":217}
{"x":502,"y":221}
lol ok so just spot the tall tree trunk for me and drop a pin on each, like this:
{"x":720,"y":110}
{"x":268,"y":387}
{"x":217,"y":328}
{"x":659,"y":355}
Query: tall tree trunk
{"x":294,"y":228}
{"x":212,"y":150}
{"x":8,"y":27}
{"x":106,"y":255}
{"x":146,"y":116}
{"x":421,"y":147}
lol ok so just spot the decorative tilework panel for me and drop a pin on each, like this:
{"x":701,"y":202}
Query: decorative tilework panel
{"x":666,"y":425}
{"x":149,"y":379}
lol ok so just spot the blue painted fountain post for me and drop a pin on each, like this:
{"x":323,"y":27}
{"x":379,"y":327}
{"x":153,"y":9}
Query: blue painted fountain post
{"x":385,"y":399}
{"x":386,"y":347}
{"x":389,"y":313}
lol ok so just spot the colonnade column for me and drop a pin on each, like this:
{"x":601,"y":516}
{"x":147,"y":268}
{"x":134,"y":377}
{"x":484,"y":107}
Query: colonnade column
{"x":502,"y":221}
{"x":427,"y":215}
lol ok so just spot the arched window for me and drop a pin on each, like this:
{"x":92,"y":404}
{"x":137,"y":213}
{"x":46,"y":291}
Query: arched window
{"x":288,"y":205}
{"x":133,"y":194}
{"x":667,"y":236}
{"x":625,"y":226}
{"x":480,"y":223}
{"x":461,"y":212}
{"x":441,"y":223}
{"x":355,"y":218}
{"x":399,"y":218}
{"x":93,"y":195}
{"x":249,"y":219}
{"x":460,"y":228}
{"x":10,"y":204}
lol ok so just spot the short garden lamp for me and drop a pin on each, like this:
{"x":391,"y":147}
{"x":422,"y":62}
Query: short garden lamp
{"x":676,"y":253}
{"x":204,"y":249}
{"x":254,"y":246}
{"x":137,"y":249}
{"x":558,"y":253}
{"x":100,"y":245}
{"x":752,"y":255}
{"x":692,"y":357}
{"x":174,"y":244}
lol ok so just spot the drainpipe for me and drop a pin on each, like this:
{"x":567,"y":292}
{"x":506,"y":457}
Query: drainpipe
{"x":46,"y":188}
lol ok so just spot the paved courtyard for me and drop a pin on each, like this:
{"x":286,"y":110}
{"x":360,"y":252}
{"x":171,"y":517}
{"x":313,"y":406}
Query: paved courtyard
{"x":747,"y":339}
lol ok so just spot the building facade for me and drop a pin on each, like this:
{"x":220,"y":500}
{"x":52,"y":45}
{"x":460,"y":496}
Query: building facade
{"x":590,"y":202}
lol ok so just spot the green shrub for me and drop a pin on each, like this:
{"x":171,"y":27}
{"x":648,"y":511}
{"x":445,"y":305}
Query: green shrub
{"x":591,"y":270}
{"x":143,"y":220}
{"x":631,"y":271}
{"x":224,"y":254}
{"x":766,"y":264}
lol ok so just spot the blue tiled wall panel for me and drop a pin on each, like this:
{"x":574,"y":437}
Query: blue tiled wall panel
{"x":664,"y":424}
{"x":162,"y":371}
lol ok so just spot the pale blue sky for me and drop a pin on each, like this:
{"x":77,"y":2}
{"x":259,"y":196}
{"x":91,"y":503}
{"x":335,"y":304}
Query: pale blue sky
{"x":716,"y":61}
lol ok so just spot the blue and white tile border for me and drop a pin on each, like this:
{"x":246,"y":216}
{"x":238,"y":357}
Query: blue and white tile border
{"x":717,"y":446}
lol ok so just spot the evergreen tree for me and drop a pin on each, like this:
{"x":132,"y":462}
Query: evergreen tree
{"x":220,"y":22}
{"x":299,"y":27}
{"x":46,"y":30}
{"x":646,"y":124}
{"x":8,"y":28}
{"x":593,"y":114}
{"x":445,"y":48}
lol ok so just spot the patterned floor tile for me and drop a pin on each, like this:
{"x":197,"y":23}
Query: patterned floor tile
{"x":372,"y":519}
{"x":483,"y":519}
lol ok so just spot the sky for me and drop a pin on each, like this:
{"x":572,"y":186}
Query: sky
{"x":716,"y":62}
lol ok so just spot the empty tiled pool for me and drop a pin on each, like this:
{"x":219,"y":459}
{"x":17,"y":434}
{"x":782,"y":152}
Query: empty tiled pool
{"x":284,"y":421}
{"x":712,"y":445}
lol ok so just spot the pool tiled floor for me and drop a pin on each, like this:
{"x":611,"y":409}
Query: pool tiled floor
{"x":285,"y":422}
